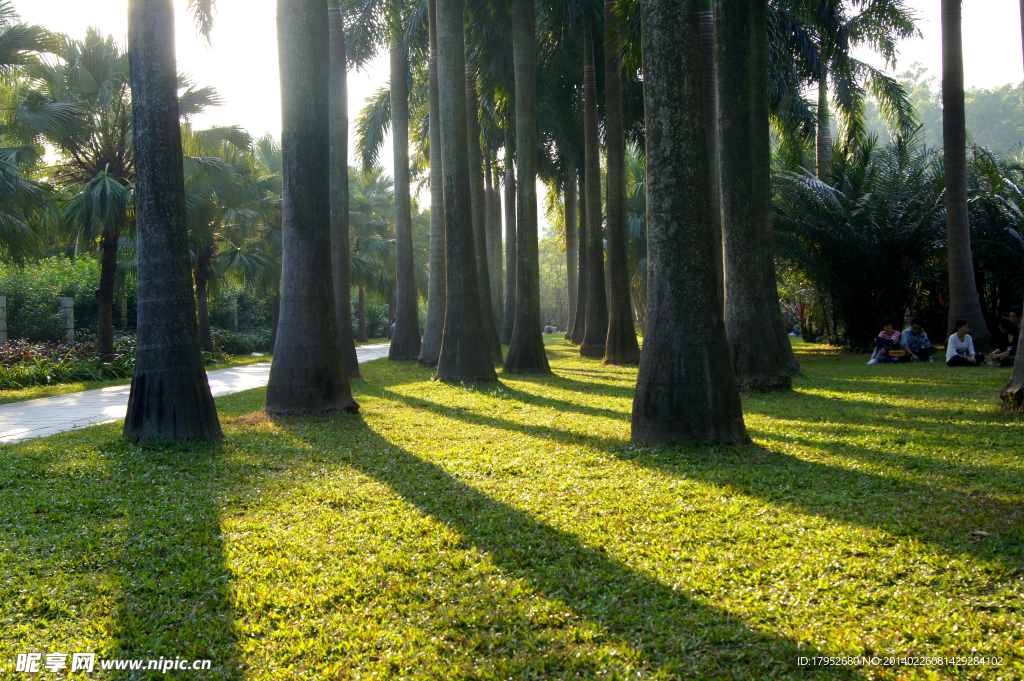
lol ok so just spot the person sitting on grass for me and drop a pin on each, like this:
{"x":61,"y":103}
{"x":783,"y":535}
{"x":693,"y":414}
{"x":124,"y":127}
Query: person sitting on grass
{"x":916,"y":343}
{"x":960,"y":348}
{"x":1004,"y":356}
{"x":1015,"y":316}
{"x":888,"y":339}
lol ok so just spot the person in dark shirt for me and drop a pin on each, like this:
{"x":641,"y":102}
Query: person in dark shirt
{"x":916,"y":343}
{"x":1004,"y":356}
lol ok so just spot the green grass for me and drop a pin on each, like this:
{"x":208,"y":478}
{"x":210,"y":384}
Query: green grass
{"x":512,"y":532}
{"x":38,"y":391}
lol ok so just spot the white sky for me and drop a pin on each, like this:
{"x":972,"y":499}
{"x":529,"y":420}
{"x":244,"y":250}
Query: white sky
{"x":242,"y":60}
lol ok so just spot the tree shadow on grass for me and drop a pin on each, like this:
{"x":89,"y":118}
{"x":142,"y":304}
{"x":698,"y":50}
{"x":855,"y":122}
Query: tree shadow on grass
{"x":674,"y":634}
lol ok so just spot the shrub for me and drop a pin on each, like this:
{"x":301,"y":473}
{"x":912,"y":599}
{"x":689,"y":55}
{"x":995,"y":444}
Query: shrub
{"x":34,"y":291}
{"x":242,"y":342}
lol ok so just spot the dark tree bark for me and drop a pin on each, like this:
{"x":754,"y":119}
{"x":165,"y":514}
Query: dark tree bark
{"x":433,"y":330}
{"x":204,"y":260}
{"x":744,"y":167}
{"x":508,"y":323}
{"x":597,"y":305}
{"x":275,"y":315}
{"x":526,"y":353}
{"x":465,"y":354}
{"x":963,"y":292}
{"x":405,"y":342}
{"x":707,"y":63}
{"x":170,"y":395}
{"x":571,"y":243}
{"x":494,"y":248}
{"x":823,"y":138}
{"x":105,"y":292}
{"x":478,"y":206}
{"x":361,"y":337}
{"x":579,"y":323}
{"x":686,"y":388}
{"x":308,"y":371}
{"x":621,"y":346}
{"x":1013,"y":394}
{"x":341,"y":263}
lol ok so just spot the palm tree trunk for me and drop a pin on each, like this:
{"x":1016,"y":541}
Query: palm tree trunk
{"x":526,"y":350}
{"x":170,"y":396}
{"x":744,"y":167}
{"x":686,"y":390}
{"x":202,"y":278}
{"x":963,"y":292}
{"x":579,"y":322}
{"x":508,"y":323}
{"x":620,"y":345}
{"x":433,"y":330}
{"x":361,"y":337}
{"x":308,"y":372}
{"x":275,"y":315}
{"x":571,"y":243}
{"x":105,"y":292}
{"x":707,"y":63}
{"x":597,"y":304}
{"x":341,"y":263}
{"x":465,"y":356}
{"x":495,"y":264}
{"x":478,"y":201}
{"x":405,"y":344}
{"x":823,"y":141}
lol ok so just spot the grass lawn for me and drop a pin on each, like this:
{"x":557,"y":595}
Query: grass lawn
{"x":512,"y":532}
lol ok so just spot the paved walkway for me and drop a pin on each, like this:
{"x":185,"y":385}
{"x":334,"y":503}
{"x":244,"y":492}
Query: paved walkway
{"x":50,"y":415}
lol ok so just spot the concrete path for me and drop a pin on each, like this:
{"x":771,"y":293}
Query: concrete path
{"x":50,"y":415}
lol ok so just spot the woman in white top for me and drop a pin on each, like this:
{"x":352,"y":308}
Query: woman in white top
{"x":960,"y":348}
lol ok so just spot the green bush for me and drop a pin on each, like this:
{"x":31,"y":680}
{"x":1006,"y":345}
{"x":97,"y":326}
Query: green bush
{"x":34,"y":291}
{"x":377,"y":319}
{"x":252,"y":310}
{"x":242,"y":342}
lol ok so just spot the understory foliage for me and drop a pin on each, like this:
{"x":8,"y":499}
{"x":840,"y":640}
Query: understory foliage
{"x":866,"y":232}
{"x":33,"y":293}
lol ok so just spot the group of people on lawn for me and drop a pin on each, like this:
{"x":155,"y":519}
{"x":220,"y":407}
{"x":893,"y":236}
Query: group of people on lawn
{"x":913,"y":344}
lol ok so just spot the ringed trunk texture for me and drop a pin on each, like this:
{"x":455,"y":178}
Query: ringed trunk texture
{"x":361,"y":337}
{"x":621,"y":346}
{"x":579,"y":323}
{"x":597,"y":305}
{"x":341,"y":263}
{"x":433,"y":330}
{"x":963,"y":292}
{"x":105,"y":293}
{"x":202,"y":277}
{"x":465,"y":354}
{"x":744,"y":166}
{"x":405,"y":342}
{"x":686,"y":389}
{"x":510,"y":240}
{"x":526,"y":353}
{"x":170,"y":396}
{"x":707,"y":64}
{"x":823,"y":140}
{"x":571,"y":245}
{"x":308,"y":371}
{"x":494,"y":244}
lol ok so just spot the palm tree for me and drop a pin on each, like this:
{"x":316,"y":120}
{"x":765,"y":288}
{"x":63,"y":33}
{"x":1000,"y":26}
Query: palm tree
{"x":579,"y":323}
{"x":308,"y":371}
{"x":170,"y":396}
{"x":597,"y":305}
{"x":571,"y":240}
{"x":686,"y":389}
{"x":464,"y":357}
{"x":340,"y":264}
{"x":509,"y":318}
{"x":526,"y":350}
{"x":963,"y":292}
{"x":620,"y":345}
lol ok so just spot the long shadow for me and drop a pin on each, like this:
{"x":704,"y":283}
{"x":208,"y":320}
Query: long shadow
{"x":675,"y":634}
{"x":506,"y":391}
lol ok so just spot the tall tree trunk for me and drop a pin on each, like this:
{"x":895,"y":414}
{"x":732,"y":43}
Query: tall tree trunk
{"x":275,"y":315}
{"x":620,"y":345}
{"x":579,"y":323}
{"x":308,"y":372}
{"x":707,"y":64}
{"x":508,"y":323}
{"x":571,"y":243}
{"x":433,"y":330}
{"x":341,"y":262}
{"x":204,"y":260}
{"x":105,"y":292}
{"x":526,"y":351}
{"x":465,"y":356}
{"x":686,"y":389}
{"x":478,"y":204}
{"x":744,"y":167}
{"x":361,"y":337}
{"x":405,"y":343}
{"x":170,"y":396}
{"x":823,"y":140}
{"x":597,"y":305}
{"x":963,"y":293}
{"x":495,"y":264}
